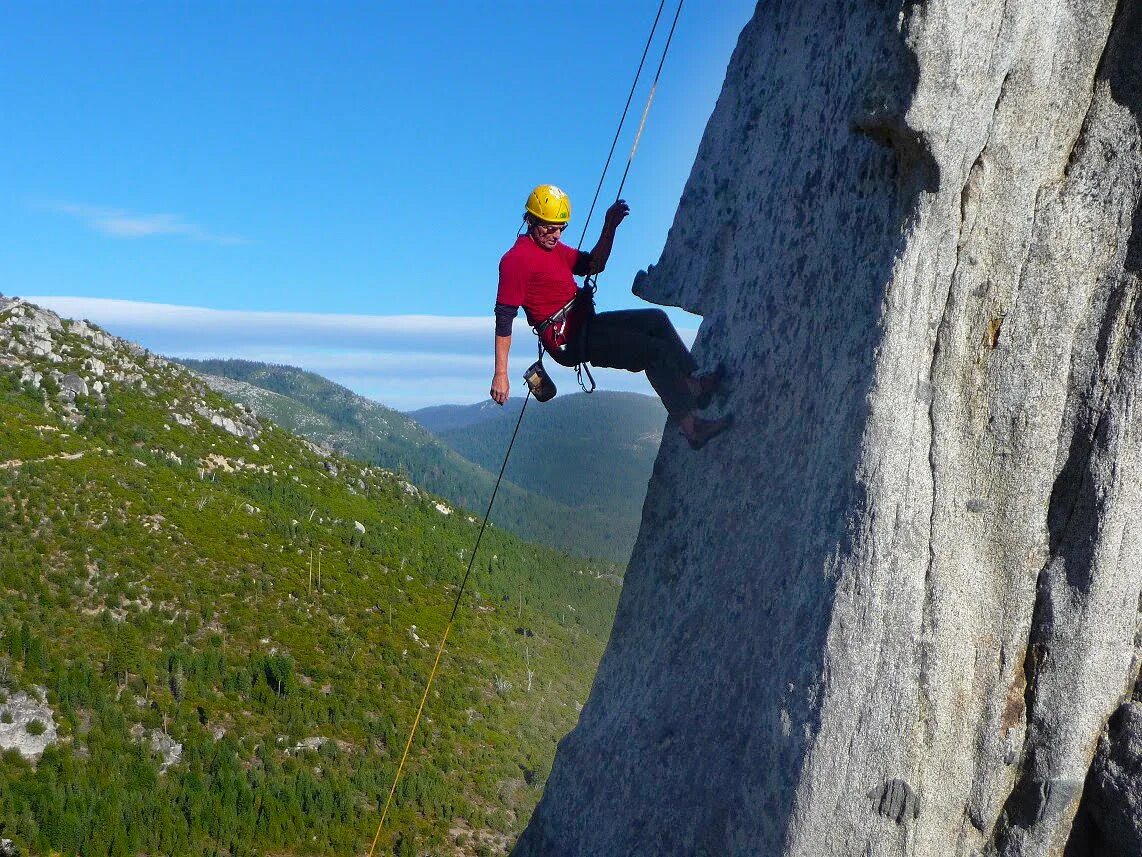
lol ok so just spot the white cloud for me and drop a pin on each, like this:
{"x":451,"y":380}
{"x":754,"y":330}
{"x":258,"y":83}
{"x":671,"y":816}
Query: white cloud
{"x":178,"y":326}
{"x":118,"y":223}
{"x":405,"y":361}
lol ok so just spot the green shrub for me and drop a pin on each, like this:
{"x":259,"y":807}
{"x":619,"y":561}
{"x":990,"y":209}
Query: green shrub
{"x":35,"y":727}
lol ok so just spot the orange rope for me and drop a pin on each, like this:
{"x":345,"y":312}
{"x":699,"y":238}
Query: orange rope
{"x":411,"y":735}
{"x":447,"y":629}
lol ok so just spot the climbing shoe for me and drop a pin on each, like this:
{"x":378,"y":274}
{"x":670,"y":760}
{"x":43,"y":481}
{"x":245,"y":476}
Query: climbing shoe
{"x":708,"y":384}
{"x":706,"y":429}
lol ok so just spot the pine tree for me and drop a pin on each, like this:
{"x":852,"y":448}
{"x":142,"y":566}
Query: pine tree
{"x":177,"y":682}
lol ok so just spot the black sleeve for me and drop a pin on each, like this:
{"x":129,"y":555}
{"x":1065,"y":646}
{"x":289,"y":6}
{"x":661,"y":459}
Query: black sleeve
{"x":505,"y":315}
{"x":582,"y":264}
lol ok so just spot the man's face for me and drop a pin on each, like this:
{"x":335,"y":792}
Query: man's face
{"x":546,"y":235}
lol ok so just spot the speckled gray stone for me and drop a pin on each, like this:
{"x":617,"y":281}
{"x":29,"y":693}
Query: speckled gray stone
{"x":1112,"y":804}
{"x":891,"y":612}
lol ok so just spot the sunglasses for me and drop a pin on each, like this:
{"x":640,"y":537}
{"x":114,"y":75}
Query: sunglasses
{"x":549,"y":228}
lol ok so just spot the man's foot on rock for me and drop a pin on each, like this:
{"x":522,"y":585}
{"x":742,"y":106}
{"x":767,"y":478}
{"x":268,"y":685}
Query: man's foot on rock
{"x":703,"y":430}
{"x":708,"y":384}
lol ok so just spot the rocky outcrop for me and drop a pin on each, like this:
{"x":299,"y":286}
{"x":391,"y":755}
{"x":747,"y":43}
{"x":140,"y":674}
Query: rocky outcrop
{"x":27,"y":724}
{"x":168,"y":750}
{"x":78,"y":361}
{"x":239,"y":428}
{"x":893,"y":611}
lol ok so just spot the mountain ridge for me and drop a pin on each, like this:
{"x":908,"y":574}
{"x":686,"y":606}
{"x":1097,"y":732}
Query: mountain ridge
{"x":463,"y":464}
{"x":592,"y":452}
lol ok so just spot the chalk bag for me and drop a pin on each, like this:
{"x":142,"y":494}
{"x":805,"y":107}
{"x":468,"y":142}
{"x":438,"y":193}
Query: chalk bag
{"x":539,"y":382}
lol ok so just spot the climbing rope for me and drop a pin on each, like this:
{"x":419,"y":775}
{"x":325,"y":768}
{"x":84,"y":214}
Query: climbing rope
{"x":447,"y":630}
{"x":642,"y":121}
{"x":588,"y":283}
{"x":649,"y":100}
{"x":622,"y":120}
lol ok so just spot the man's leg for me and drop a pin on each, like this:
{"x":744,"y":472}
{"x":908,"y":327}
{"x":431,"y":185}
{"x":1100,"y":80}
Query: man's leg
{"x":644,"y":340}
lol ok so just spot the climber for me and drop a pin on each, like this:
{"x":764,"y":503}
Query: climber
{"x":538,"y":272}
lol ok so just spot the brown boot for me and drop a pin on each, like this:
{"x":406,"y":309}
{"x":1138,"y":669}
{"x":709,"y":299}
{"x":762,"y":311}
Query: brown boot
{"x":703,"y":430}
{"x":708,"y":384}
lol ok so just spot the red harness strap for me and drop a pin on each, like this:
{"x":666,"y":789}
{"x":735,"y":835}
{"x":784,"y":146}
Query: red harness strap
{"x":560,"y":330}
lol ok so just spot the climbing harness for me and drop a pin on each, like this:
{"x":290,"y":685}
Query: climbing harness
{"x":556,"y":333}
{"x":559,"y":333}
{"x":539,"y":383}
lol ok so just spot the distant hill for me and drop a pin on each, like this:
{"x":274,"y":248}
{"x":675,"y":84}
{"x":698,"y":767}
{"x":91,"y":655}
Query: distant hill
{"x":442,"y":418}
{"x":332,"y":415}
{"x":593,"y":452}
{"x":217,"y":632}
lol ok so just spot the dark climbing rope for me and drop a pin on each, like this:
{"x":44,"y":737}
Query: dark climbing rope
{"x":591,"y":281}
{"x":622,"y":120}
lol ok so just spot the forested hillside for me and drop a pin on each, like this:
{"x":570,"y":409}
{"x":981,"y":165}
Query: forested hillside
{"x":329,"y":414}
{"x":591,"y":452}
{"x":224,"y":630}
{"x":441,"y":418}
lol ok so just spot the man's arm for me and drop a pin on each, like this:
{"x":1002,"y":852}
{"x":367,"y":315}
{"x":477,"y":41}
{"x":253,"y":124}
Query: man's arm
{"x":500,"y":384}
{"x":601,"y":252}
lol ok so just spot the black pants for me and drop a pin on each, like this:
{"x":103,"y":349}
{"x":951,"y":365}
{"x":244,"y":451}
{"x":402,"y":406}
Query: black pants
{"x":639,"y":340}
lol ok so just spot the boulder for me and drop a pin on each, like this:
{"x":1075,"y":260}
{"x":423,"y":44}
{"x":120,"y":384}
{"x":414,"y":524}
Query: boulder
{"x":168,"y":749}
{"x":73,"y":385}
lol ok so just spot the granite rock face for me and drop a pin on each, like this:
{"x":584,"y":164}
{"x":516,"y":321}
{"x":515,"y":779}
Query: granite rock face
{"x":1111,"y":810}
{"x":891,"y":612}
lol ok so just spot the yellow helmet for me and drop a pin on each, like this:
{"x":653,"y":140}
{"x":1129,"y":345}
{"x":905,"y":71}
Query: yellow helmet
{"x":549,"y":203}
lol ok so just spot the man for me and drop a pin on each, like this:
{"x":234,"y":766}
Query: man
{"x":538,"y":274}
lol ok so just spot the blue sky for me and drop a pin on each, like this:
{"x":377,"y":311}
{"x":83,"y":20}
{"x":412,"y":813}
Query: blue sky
{"x":231,"y":179}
